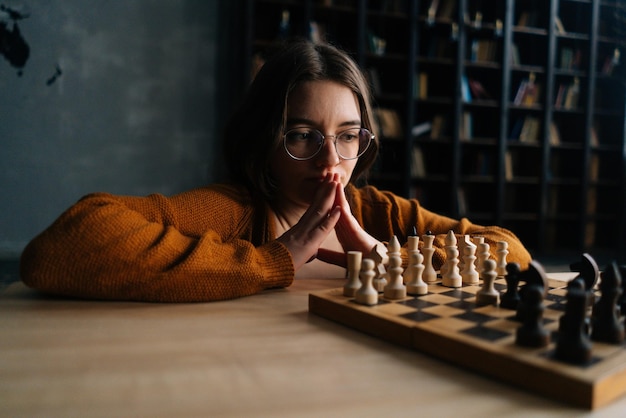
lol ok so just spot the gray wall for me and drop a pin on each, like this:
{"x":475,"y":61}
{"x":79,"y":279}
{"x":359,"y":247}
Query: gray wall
{"x":133,"y":112}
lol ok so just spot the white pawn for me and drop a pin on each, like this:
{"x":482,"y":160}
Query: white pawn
{"x":416,"y":285}
{"x":367,"y":295}
{"x":354,"y":267}
{"x":482,"y":255}
{"x":488,"y":295}
{"x":501,"y":253}
{"x":450,"y":276}
{"x":429,"y":274}
{"x":469,"y":275}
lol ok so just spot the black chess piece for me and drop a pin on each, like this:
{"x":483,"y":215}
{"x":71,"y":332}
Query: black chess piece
{"x":534,"y":274}
{"x":532,"y":332}
{"x":573,"y":345}
{"x":510,"y":298}
{"x":588,"y":269}
{"x":605,"y":323}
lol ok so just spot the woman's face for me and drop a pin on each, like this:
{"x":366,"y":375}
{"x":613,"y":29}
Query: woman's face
{"x":330,"y":108}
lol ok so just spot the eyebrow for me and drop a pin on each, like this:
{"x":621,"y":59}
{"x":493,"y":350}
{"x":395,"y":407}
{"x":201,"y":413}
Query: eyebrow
{"x":305,"y":121}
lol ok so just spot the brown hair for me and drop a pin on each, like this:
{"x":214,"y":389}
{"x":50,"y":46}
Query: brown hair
{"x":256,"y":128}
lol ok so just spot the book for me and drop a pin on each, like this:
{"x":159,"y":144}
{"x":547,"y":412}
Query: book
{"x":421,"y":86}
{"x":555,"y":136}
{"x":467,"y":126}
{"x":421,"y":129}
{"x":530,"y":130}
{"x":465,"y":89}
{"x":389,"y":123}
{"x":418,"y":169}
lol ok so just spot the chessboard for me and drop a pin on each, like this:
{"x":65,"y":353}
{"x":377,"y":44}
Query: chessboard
{"x":448,"y":324}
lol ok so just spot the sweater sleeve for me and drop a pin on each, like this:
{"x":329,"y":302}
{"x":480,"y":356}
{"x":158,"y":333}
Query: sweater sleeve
{"x":384,"y":214}
{"x":124,"y":248}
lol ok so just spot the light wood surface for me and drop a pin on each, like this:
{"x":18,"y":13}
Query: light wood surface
{"x":260,"y":356}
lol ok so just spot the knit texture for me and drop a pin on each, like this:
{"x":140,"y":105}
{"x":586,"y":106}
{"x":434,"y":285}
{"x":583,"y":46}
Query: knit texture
{"x":206,"y":244}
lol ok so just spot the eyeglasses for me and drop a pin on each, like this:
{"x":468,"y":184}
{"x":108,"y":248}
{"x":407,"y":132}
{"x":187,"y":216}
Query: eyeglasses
{"x":304,"y":143}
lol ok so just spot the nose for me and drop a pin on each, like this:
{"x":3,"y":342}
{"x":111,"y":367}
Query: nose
{"x":328,"y":155}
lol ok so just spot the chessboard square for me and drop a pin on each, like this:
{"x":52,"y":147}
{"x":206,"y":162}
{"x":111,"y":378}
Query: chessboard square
{"x":500,"y":286}
{"x":443,"y":311}
{"x":395,"y":309}
{"x":486,"y":333}
{"x":419,"y":316}
{"x":555,"y":297}
{"x":475,"y":317}
{"x":495,"y":311}
{"x":449,"y":324}
{"x":439,"y":299}
{"x":463,"y":304}
{"x":503,"y":325}
{"x":458,"y":294}
{"x":417,"y":303}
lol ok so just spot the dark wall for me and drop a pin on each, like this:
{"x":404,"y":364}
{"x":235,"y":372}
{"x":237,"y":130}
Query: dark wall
{"x":134,"y":108}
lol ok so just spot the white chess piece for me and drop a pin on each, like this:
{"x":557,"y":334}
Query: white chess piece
{"x":482,"y":255}
{"x":501,"y":253}
{"x":395,"y":288}
{"x":367,"y":295}
{"x":416,"y":285}
{"x":429,"y":275}
{"x":487,"y":294}
{"x":469,"y":275}
{"x":354,"y":267}
{"x":451,"y":276}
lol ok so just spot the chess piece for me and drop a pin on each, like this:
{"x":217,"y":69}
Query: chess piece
{"x":482,"y":255}
{"x":469,"y":275}
{"x":501,"y":253}
{"x":605,"y":323}
{"x":395,"y":288}
{"x":450,"y":276}
{"x":487,"y":294}
{"x":354,"y":267}
{"x":510,"y":298}
{"x":588,"y":270}
{"x":380,"y":257}
{"x":532,"y":332}
{"x":573,"y":344}
{"x":429,"y":275}
{"x":367,"y":294}
{"x":416,"y":285}
{"x":413,"y":243}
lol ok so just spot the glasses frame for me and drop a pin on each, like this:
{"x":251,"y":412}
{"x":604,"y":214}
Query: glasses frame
{"x":323,"y":141}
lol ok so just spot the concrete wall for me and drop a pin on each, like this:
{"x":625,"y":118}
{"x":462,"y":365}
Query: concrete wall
{"x":133,"y":111}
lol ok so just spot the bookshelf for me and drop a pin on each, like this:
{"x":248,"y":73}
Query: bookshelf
{"x":508,"y":112}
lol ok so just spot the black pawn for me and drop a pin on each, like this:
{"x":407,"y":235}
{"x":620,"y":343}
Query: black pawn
{"x":573,"y":345}
{"x":532,"y":333}
{"x":605,"y":323}
{"x":510,"y":298}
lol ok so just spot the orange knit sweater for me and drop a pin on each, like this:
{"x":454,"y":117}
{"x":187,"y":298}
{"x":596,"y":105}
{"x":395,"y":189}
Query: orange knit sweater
{"x":206,"y":244}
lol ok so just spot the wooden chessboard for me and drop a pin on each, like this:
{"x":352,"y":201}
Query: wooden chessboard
{"x":447,"y":324}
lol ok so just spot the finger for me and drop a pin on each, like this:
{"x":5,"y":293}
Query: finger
{"x":333,"y":257}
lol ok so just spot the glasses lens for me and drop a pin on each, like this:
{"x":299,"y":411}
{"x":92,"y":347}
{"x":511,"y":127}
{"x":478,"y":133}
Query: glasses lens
{"x":353,"y":143}
{"x":303,"y":144}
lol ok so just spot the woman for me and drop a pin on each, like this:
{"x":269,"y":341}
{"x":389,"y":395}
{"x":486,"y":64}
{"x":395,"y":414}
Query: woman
{"x":296,"y":146}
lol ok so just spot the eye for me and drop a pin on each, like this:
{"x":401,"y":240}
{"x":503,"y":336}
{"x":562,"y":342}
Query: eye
{"x":349,"y":136}
{"x":302,"y":135}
